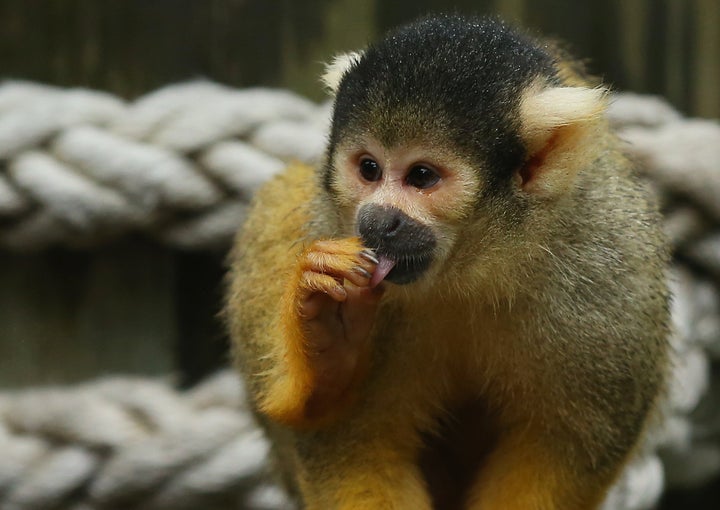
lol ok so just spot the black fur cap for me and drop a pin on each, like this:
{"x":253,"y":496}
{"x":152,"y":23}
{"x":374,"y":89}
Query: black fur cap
{"x":454,"y":79}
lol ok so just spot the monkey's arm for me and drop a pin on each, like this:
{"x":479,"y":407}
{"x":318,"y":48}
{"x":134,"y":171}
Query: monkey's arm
{"x":300,"y":309}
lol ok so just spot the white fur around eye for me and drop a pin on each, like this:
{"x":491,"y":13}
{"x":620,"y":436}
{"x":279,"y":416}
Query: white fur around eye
{"x":335,"y":70}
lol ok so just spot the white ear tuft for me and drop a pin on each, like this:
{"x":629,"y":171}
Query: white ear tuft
{"x":543,"y":111}
{"x":335,"y":70}
{"x":561,"y":128}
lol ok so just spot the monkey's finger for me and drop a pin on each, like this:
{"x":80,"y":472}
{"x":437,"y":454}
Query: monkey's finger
{"x":316,"y":307}
{"x":349,"y":267}
{"x":312,"y":282}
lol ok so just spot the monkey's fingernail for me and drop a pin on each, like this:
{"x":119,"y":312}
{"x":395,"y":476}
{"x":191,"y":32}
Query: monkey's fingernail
{"x":340,"y":293}
{"x":369,"y":255}
{"x":362,"y":271}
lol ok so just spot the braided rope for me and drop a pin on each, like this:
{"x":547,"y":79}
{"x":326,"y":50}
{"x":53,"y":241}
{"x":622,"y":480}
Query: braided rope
{"x":681,"y":159}
{"x":131,"y":443}
{"x":78,"y":167}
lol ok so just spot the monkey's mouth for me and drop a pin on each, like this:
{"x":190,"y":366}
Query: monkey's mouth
{"x":399,"y":270}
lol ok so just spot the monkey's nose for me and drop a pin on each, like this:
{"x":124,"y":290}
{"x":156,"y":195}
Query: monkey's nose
{"x":379,"y":225}
{"x":392,"y":232}
{"x":393,"y":224}
{"x":403,"y":244}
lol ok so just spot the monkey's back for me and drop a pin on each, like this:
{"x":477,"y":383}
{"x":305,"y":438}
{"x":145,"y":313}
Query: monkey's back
{"x":600,"y":316}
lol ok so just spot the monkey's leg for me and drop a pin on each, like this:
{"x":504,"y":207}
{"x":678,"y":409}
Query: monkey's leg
{"x":525,"y":472}
{"x":364,"y":475}
{"x":327,"y":314}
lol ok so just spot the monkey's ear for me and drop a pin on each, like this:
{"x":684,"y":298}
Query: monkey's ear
{"x":557,"y":125}
{"x":335,"y":70}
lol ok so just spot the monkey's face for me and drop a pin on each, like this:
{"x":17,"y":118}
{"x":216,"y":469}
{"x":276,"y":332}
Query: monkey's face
{"x":453,"y":145}
{"x":406,"y":202}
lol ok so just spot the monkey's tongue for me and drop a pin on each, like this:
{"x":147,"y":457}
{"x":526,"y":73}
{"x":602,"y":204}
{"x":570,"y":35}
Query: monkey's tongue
{"x":384,"y":266}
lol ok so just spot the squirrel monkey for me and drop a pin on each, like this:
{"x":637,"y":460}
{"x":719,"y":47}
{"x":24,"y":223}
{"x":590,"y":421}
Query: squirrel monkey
{"x":464,"y":306}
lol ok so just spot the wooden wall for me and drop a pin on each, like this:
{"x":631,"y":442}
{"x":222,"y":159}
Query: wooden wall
{"x":669,"y":47}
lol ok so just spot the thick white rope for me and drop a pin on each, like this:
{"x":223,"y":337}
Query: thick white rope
{"x":78,"y":167}
{"x":125,"y":443}
{"x":681,"y":159}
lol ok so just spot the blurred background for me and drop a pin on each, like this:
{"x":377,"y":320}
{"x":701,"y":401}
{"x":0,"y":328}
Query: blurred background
{"x":668,"y":47}
{"x":138,"y":307}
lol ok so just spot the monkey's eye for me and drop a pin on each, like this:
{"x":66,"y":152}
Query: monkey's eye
{"x":422,"y":177}
{"x":370,"y":170}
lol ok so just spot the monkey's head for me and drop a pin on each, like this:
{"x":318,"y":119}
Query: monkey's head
{"x":450,"y":139}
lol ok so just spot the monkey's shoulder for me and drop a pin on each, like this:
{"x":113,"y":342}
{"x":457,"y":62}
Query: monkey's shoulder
{"x":280,"y":209}
{"x":264,"y":250}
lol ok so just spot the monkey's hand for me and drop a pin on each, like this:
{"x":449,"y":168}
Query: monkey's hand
{"x":328,"y":311}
